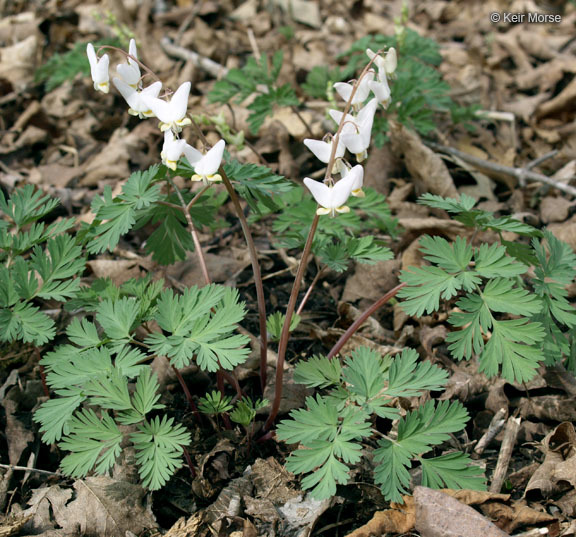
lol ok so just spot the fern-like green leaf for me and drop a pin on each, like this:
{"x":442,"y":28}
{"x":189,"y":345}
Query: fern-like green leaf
{"x":92,"y":442}
{"x":452,"y":471}
{"x":159,"y":445}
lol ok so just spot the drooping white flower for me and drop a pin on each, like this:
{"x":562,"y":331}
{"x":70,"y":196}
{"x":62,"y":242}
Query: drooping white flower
{"x":192,"y":154}
{"x":130,"y":72}
{"x":172,"y":114}
{"x":332,"y":198}
{"x":387,"y":65}
{"x":98,"y":69}
{"x":172,"y":150}
{"x":357,"y":139}
{"x":206,"y":167}
{"x":344,"y":89}
{"x":381,"y":91}
{"x":358,"y":172}
{"x":137,"y":99}
{"x":322,"y":150}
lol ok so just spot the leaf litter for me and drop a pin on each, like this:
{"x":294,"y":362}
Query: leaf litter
{"x":69,"y":145}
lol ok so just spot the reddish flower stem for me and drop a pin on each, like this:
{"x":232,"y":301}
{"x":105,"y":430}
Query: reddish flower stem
{"x":360,"y":320}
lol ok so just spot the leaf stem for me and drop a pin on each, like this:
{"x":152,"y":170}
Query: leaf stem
{"x":194,"y":233}
{"x":260,"y":300}
{"x":362,"y":318}
{"x":285,"y":334}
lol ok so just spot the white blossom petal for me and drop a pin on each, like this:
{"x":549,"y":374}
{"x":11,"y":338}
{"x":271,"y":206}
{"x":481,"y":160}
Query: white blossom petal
{"x":192,"y":154}
{"x":173,"y":148}
{"x":323,"y":150}
{"x":332,"y":197}
{"x":210,"y":162}
{"x":135,"y":98}
{"x":171,"y":114}
{"x":98,"y":69}
{"x":130,"y":71}
{"x":381,"y":91}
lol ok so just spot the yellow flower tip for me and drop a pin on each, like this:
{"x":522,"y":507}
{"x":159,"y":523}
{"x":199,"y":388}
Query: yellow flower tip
{"x":148,"y":113}
{"x":216,"y":178}
{"x":163,"y":126}
{"x":359,"y":193}
{"x":322,"y":210}
{"x":183,"y":122}
{"x":196,"y":177}
{"x":104,"y":87}
{"x":343,"y":209}
{"x":172,"y":164}
{"x":133,"y":112}
{"x":360,"y":157}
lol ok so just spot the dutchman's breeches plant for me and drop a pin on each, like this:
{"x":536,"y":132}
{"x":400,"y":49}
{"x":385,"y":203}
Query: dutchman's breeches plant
{"x":105,"y":395}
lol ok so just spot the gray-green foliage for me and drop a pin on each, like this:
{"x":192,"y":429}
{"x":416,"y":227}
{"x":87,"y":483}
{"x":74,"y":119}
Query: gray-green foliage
{"x":103,"y":381}
{"x":38,"y":262}
{"x":511,"y":324}
{"x":419,"y":93}
{"x":334,"y":428}
{"x":257,"y":78}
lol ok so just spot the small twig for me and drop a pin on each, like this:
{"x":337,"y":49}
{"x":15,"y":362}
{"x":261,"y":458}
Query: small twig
{"x":510,"y":434}
{"x":210,"y":66}
{"x":540,"y":160}
{"x":496,"y":424}
{"x":309,"y":291}
{"x":519,"y":173}
{"x":28,"y":469}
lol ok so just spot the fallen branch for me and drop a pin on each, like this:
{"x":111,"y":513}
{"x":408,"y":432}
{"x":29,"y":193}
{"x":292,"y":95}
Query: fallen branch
{"x":210,"y":66}
{"x":519,"y":173}
{"x":510,"y":435}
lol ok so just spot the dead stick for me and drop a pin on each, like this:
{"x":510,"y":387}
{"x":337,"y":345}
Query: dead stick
{"x":510,"y":434}
{"x":519,"y":173}
{"x":28,"y":469}
{"x":494,"y":428}
{"x":210,"y":66}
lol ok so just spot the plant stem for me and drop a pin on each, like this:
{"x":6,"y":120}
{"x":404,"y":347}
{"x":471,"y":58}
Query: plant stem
{"x":260,"y":300}
{"x":286,"y":327}
{"x":309,"y":291}
{"x":360,"y":320}
{"x":194,"y":234}
{"x":283,"y":344}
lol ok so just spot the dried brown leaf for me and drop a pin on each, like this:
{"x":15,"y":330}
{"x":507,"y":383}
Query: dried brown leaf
{"x":426,"y":167}
{"x":440,"y":515}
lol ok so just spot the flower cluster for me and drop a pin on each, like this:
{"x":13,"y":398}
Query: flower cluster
{"x":145,"y":102}
{"x":353,"y":134}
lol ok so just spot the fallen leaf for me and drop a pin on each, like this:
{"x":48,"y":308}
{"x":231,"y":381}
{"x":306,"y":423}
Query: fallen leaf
{"x":440,"y":515}
{"x":558,"y":471}
{"x":398,"y":520}
{"x":426,"y":167}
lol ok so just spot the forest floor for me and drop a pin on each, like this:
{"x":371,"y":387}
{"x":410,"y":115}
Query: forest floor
{"x":519,"y":159}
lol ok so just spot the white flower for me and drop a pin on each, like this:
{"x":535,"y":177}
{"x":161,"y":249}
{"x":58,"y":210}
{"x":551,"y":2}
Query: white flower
{"x":130,"y":72}
{"x":381,"y":91}
{"x":172,"y":115}
{"x":137,"y":99}
{"x":345,"y":89}
{"x":358,"y":172}
{"x":322,"y":150}
{"x":172,"y":150}
{"x":357,"y":140}
{"x":387,"y":65}
{"x":98,"y":69}
{"x":206,"y":167}
{"x":332,"y":198}
{"x":192,"y":154}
